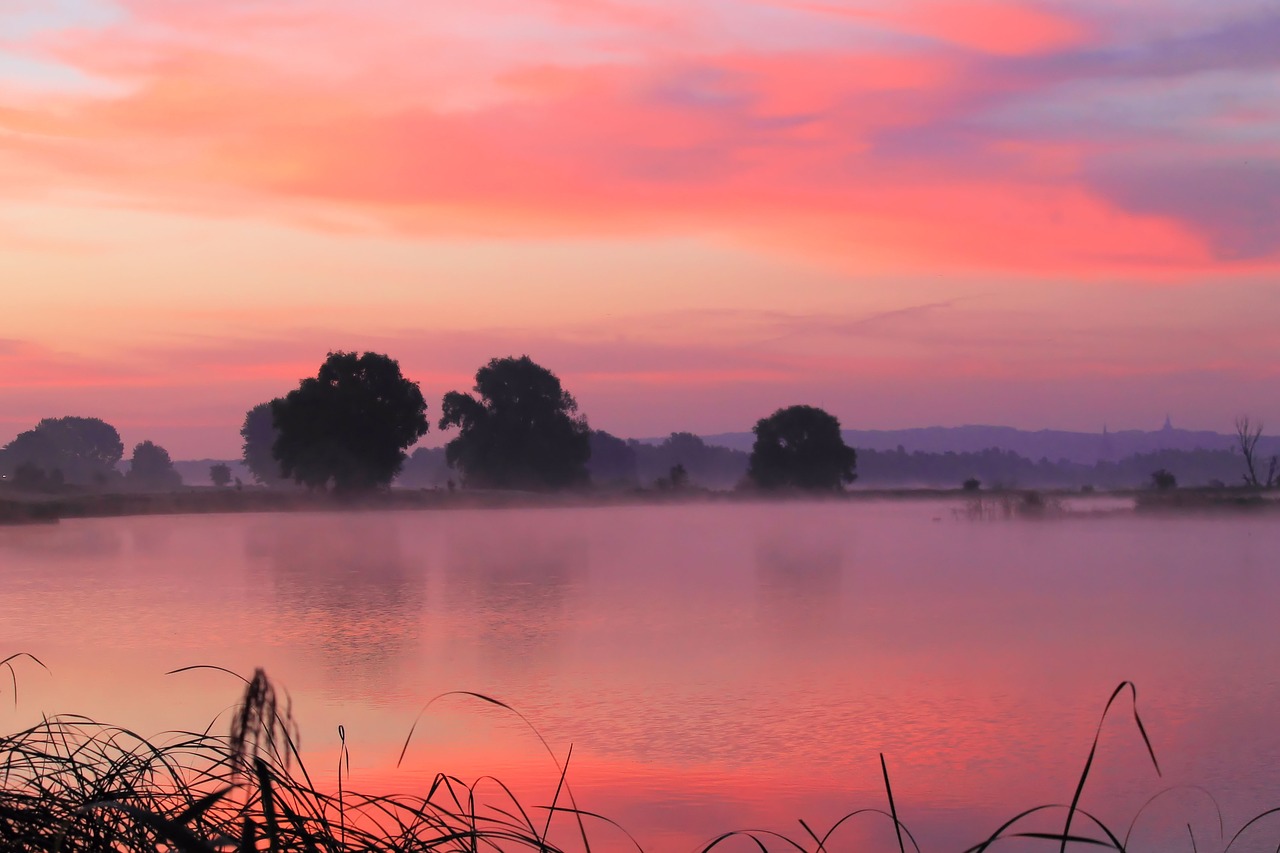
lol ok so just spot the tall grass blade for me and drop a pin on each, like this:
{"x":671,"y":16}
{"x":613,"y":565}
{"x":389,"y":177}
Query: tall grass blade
{"x":1160,"y":794}
{"x":186,"y":840}
{"x":893,"y":809}
{"x":1093,"y":749}
{"x":342,"y":805}
{"x":7,"y":663}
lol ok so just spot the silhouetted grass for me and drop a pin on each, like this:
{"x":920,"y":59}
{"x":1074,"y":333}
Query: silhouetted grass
{"x":74,"y":784}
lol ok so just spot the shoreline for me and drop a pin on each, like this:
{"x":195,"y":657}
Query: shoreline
{"x":17,"y":508}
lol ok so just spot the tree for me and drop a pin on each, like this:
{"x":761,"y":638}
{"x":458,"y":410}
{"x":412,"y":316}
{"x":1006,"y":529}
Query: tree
{"x":706,"y":464}
{"x":801,"y":447}
{"x":84,"y":450}
{"x":33,"y":478}
{"x":220,"y":474}
{"x":522,"y":430}
{"x":350,"y":425}
{"x":259,"y":434}
{"x":1162,"y":479}
{"x":678,"y":477}
{"x":1247,"y":435}
{"x":151,"y":468}
{"x":612,"y":460}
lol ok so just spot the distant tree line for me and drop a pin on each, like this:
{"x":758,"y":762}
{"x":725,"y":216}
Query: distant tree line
{"x":619,"y":463}
{"x":70,"y":452}
{"x":349,"y":429}
{"x":995,"y":468}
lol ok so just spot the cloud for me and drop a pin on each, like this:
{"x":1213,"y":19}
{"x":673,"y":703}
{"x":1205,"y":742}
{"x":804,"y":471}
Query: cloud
{"x":1244,"y":43}
{"x":998,"y":28}
{"x":1235,"y":203}
{"x":917,"y":150}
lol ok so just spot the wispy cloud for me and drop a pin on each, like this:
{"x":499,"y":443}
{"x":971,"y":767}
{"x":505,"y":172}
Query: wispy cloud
{"x":917,"y":146}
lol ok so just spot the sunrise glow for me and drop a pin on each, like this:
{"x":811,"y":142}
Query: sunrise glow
{"x":916,"y":212}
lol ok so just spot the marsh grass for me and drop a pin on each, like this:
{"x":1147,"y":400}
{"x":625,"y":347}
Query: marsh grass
{"x":1011,"y":504}
{"x":73,"y":784}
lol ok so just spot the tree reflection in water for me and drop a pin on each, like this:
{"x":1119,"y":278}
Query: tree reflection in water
{"x":800,"y":580}
{"x":517,"y":588}
{"x":344,"y":592}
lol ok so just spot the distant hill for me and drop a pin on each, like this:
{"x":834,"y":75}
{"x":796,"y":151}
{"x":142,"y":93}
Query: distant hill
{"x":1084,"y":448}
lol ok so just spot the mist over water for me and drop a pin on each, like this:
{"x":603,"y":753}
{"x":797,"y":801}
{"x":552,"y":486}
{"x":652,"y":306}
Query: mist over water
{"x":714,"y":666}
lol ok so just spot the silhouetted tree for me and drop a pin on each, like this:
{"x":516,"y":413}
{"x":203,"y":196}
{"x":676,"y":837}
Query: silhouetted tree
{"x":1163,"y":480}
{"x":707,"y":464}
{"x":972,"y":484}
{"x":151,"y":468}
{"x":801,"y":447}
{"x":678,"y":477}
{"x":1247,"y":435}
{"x":32,"y":478}
{"x":522,"y":430}
{"x":220,"y":474}
{"x":612,"y":460}
{"x":84,"y":450}
{"x":259,"y":434}
{"x":350,"y":425}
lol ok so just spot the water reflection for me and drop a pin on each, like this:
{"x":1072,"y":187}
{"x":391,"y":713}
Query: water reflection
{"x":343,"y":590}
{"x":151,"y":537}
{"x":746,"y":663}
{"x":517,"y":588}
{"x":80,"y":541}
{"x":799,"y":583}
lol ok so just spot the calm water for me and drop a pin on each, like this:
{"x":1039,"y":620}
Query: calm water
{"x":714,"y":667}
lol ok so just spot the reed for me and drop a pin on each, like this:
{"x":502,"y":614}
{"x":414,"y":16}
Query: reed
{"x":76,"y":785}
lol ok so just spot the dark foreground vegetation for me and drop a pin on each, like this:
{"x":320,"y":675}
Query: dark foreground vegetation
{"x":73,"y":784}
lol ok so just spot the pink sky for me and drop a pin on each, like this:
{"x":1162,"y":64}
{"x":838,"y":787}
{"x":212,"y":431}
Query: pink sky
{"x":910,"y":212}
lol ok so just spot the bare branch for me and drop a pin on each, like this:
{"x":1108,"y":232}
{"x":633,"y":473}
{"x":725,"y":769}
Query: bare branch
{"x":1247,"y":434}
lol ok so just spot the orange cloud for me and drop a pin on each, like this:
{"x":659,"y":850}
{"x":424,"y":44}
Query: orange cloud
{"x":871,"y":158}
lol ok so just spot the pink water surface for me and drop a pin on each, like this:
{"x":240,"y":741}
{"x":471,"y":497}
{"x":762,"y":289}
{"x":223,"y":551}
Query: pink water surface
{"x":714,"y":666}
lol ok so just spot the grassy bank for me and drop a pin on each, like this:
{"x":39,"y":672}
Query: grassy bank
{"x":77,"y":785}
{"x":32,"y":508}
{"x":19,"y":509}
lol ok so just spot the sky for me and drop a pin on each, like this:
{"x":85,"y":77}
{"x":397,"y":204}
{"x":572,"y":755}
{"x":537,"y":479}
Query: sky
{"x":1056,"y":214}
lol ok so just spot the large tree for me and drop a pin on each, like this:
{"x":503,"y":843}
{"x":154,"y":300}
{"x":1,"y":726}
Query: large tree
{"x":80,"y":450}
{"x":350,"y":425}
{"x":259,"y":434}
{"x":801,"y":448}
{"x":522,"y":430}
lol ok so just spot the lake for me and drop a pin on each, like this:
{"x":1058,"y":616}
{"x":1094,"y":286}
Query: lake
{"x":714,"y":666}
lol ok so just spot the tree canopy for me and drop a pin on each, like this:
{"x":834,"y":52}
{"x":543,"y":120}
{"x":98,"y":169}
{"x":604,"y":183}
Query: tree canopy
{"x":521,"y":430}
{"x":220,"y":474}
{"x":151,"y":468}
{"x":81,"y":450}
{"x":801,"y":447}
{"x":612,"y":461}
{"x":259,"y":434}
{"x":350,"y":425}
